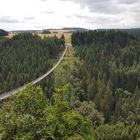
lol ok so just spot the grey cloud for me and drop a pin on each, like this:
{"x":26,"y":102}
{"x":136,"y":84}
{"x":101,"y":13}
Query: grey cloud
{"x":69,"y":17}
{"x":78,"y":16}
{"x":106,"y":6}
{"x":100,"y":6}
{"x":112,"y":12}
{"x":8,"y":19}
{"x":128,"y":1}
{"x":29,"y":18}
{"x":81,"y":16}
{"x":40,"y":27}
{"x":105,"y":21}
{"x":48,"y":12}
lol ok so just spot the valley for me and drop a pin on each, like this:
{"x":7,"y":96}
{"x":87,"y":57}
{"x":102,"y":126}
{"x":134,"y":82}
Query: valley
{"x":92,"y":92}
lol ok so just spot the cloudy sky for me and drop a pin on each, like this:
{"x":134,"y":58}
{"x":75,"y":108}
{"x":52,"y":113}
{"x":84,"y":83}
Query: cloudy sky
{"x":90,"y":14}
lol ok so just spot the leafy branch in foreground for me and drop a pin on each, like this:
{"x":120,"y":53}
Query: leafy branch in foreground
{"x":30,"y":115}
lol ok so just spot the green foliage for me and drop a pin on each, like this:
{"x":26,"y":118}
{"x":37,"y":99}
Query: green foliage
{"x":109,"y":72}
{"x":63,"y":39}
{"x":101,"y":100}
{"x":46,"y":32}
{"x":24,"y":58}
{"x":138,"y":111}
{"x":89,"y":109}
{"x":30,"y":115}
{"x":117,"y":132}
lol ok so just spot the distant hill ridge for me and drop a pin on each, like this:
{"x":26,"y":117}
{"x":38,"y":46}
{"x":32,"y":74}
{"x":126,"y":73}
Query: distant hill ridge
{"x":75,"y":28}
{"x":49,"y":29}
{"x":3,"y":32}
{"x":133,"y":31}
{"x":67,"y":28}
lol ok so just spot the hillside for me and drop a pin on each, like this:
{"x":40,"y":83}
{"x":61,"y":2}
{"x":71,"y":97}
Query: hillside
{"x":3,"y":32}
{"x":94,"y":93}
{"x":134,"y":31}
{"x":26,"y":57}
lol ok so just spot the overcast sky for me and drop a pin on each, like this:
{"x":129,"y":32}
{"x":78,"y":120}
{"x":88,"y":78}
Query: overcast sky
{"x":90,"y":14}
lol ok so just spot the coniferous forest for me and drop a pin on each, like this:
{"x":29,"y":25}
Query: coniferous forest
{"x":25,"y":57}
{"x":93,"y":95}
{"x":3,"y":33}
{"x":110,"y":71}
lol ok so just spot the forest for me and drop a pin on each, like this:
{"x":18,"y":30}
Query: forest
{"x":131,"y":31}
{"x":110,"y":71}
{"x":95,"y":92}
{"x":109,"y":74}
{"x":25,"y":57}
{"x":3,"y":32}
